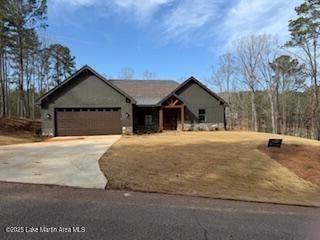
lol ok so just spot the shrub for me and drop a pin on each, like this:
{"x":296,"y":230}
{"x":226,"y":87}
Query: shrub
{"x":38,"y":131}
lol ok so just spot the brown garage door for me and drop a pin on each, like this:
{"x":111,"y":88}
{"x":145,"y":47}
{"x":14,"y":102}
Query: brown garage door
{"x":87,"y":121}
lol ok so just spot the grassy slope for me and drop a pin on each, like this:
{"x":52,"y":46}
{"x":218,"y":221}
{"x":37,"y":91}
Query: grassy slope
{"x":210,"y":164}
{"x":18,"y":130}
{"x":16,"y":138}
{"x":302,"y":159}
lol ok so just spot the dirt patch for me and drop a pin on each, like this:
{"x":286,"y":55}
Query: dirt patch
{"x":303,"y":160}
{"x":210,"y":164}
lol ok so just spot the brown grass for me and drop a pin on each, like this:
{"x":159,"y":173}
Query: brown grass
{"x":209,"y":164}
{"x":19,"y":137}
{"x":302,"y":159}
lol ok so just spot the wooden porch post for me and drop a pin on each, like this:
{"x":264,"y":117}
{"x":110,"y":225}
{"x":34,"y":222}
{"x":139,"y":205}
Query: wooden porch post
{"x":161,"y":119}
{"x":182,"y":117}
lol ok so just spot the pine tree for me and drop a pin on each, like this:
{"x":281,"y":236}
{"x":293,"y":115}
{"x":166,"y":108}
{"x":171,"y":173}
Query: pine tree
{"x":4,"y":9}
{"x":288,"y":77}
{"x":63,"y":62}
{"x":25,"y":17}
{"x":305,"y":33}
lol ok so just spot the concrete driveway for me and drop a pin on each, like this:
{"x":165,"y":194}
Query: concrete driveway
{"x":66,"y":161}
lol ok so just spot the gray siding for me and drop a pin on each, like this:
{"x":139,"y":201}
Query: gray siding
{"x":85,"y":91}
{"x":195,"y":98}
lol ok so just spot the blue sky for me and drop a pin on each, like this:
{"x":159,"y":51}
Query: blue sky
{"x":172,"y":38}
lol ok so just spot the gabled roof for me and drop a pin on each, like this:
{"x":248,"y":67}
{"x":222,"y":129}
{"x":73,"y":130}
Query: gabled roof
{"x":77,"y":73}
{"x":146,"y":92}
{"x":140,"y":92}
{"x":167,"y":97}
{"x":193,"y":79}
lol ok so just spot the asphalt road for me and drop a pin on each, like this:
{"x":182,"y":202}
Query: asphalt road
{"x":101,"y":214}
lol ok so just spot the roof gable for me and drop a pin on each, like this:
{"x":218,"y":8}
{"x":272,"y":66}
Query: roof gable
{"x":140,"y":92}
{"x":193,"y":79}
{"x":168,"y":97}
{"x":77,"y":73}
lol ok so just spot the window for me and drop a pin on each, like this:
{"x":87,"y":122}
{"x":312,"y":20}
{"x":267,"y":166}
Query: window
{"x":202,"y":116}
{"x":148,"y":119}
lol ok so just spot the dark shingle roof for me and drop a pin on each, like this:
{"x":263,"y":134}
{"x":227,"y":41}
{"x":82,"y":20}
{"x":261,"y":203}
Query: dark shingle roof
{"x":146,"y":92}
{"x":140,"y":92}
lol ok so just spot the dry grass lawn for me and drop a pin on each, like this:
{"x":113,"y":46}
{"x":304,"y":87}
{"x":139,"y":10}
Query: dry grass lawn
{"x":16,"y":138}
{"x":210,"y":164}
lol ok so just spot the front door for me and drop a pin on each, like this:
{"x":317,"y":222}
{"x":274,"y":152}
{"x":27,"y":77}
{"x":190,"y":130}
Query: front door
{"x":170,"y":118}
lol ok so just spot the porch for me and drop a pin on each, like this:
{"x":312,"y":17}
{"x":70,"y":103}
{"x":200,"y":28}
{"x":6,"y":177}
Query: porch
{"x":168,"y":116}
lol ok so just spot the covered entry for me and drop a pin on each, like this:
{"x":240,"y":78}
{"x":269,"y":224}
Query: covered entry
{"x":171,"y":113}
{"x":87,"y":121}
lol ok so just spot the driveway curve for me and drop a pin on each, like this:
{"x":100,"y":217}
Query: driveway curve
{"x":66,"y":161}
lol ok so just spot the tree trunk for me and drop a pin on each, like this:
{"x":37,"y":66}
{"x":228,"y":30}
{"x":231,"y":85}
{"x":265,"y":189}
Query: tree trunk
{"x":254,"y":121}
{"x":32,"y":103}
{"x":28,"y":83}
{"x":2,"y":84}
{"x":316,"y":93}
{"x":21,"y":80}
{"x":278,"y":108}
{"x":7,"y":86}
{"x":273,"y":114}
{"x":316,"y":110}
{"x":284,"y":113}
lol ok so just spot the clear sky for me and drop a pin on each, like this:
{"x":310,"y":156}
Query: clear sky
{"x":172,"y":38}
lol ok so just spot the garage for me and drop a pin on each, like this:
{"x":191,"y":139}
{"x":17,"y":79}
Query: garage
{"x":87,"y":121}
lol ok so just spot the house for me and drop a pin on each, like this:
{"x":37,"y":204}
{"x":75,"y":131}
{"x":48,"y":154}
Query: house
{"x":88,"y":104}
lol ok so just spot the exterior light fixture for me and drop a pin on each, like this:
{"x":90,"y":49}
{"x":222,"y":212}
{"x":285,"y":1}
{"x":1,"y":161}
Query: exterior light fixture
{"x":49,"y":116}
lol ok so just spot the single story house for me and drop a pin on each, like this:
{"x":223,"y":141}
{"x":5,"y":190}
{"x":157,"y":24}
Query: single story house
{"x":88,"y":104}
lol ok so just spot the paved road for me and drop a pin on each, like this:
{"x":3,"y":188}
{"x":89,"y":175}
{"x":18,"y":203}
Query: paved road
{"x":129,"y":215}
{"x":67,"y":161}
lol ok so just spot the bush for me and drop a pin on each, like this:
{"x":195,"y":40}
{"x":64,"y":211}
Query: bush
{"x":38,"y":131}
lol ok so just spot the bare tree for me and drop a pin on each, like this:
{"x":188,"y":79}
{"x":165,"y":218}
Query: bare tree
{"x":126,"y":73}
{"x":270,"y":82}
{"x":147,"y":75}
{"x":248,"y":54}
{"x":223,"y":77}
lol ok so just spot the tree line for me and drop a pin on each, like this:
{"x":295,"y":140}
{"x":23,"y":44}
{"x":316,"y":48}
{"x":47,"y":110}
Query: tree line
{"x":29,"y":65}
{"x":269,"y":87}
{"x":272,"y":87}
